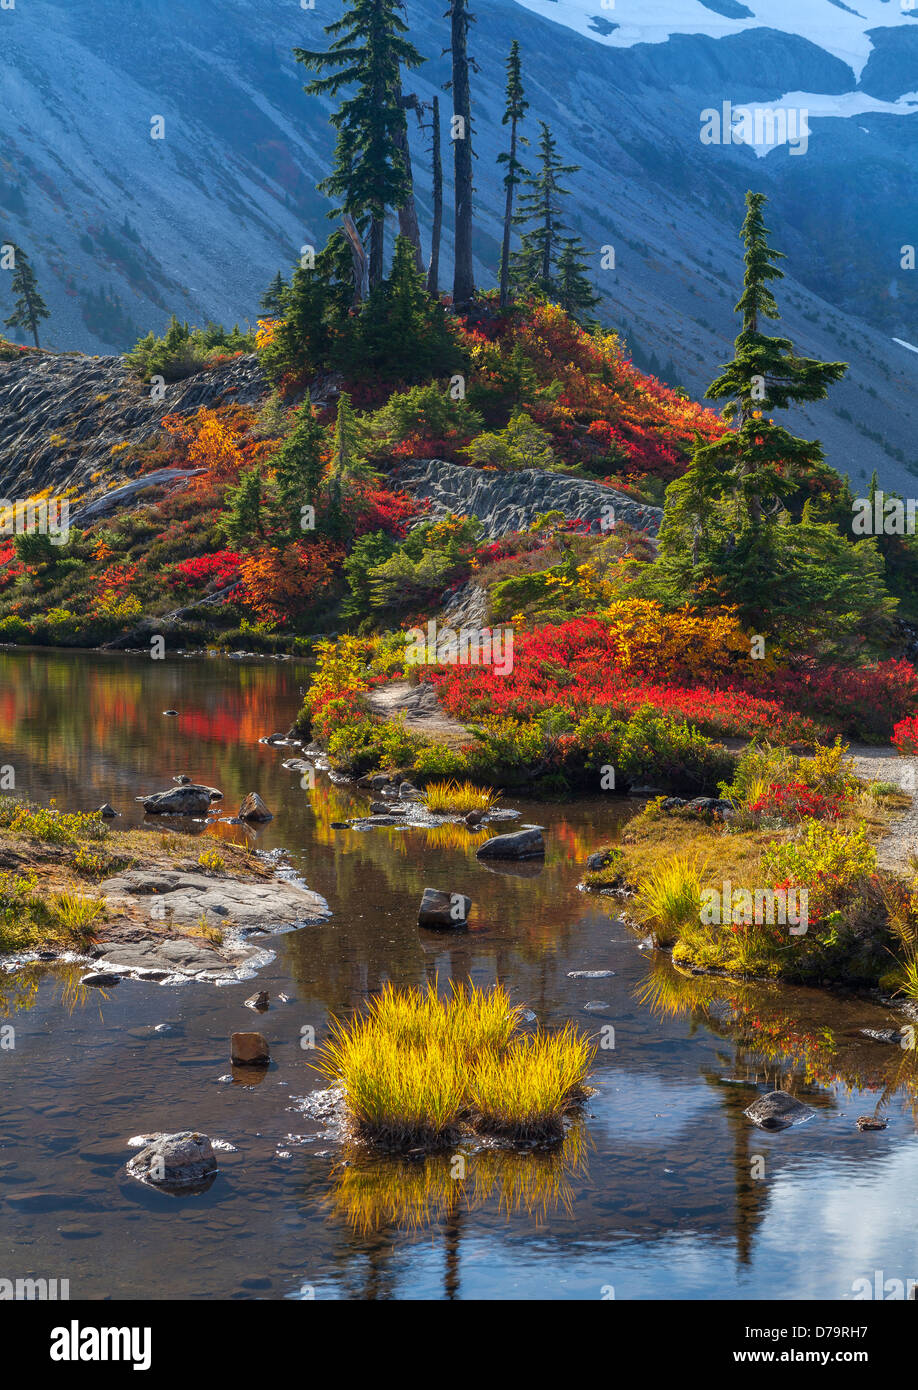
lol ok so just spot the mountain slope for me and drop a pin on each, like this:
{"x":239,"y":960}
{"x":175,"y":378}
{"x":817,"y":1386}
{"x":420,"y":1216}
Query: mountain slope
{"x":124,"y":229}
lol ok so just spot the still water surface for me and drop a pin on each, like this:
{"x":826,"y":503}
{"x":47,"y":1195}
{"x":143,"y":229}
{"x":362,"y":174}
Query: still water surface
{"x":664,"y":1191}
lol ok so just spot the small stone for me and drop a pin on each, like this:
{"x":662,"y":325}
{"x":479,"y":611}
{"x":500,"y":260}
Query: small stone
{"x":249,"y":1050}
{"x":170,"y":711}
{"x":259,"y":1001}
{"x":183,"y":779}
{"x":474,"y":819}
{"x":590,"y":974}
{"x":106,"y":811}
{"x":100,"y":978}
{"x":254,"y":809}
{"x":440,"y":909}
{"x":869,"y":1122}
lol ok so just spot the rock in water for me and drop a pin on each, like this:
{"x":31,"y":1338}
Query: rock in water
{"x":474,"y":819}
{"x":440,"y":909}
{"x":522,"y":844}
{"x":175,"y":1161}
{"x":778,"y":1110}
{"x":249,"y":1050}
{"x":869,"y":1122}
{"x":179,"y":801}
{"x":170,"y":711}
{"x":106,"y":812}
{"x":259,"y":1001}
{"x":253,"y":808}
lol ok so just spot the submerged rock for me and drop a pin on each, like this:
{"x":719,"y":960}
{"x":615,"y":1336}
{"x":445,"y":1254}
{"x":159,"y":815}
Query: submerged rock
{"x":253,"y":808}
{"x":249,"y":1050}
{"x":869,"y":1122}
{"x":521,"y":844}
{"x":891,"y":1036}
{"x":778,"y":1110}
{"x":176,"y":1162}
{"x":440,"y":909}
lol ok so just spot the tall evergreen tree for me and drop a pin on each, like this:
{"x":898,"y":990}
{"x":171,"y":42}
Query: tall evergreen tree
{"x":29,"y":308}
{"x":298,"y":468}
{"x":370,"y":173}
{"x":514,"y":112}
{"x":464,"y":271}
{"x":575,"y":293}
{"x":729,"y":532}
{"x":272,"y":301}
{"x":533,"y":266}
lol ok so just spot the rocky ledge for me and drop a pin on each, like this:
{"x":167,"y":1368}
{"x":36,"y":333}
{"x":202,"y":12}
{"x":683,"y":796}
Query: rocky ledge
{"x":146,"y":941}
{"x":505,"y":502}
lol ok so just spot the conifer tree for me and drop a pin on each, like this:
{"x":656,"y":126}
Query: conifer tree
{"x":761,"y":463}
{"x":298,"y":468}
{"x":272,"y":301}
{"x":464,"y":271}
{"x":29,"y":308}
{"x":514,"y":112}
{"x":734,"y":529}
{"x":533,"y":266}
{"x":242,"y":519}
{"x":348,"y":464}
{"x":575,"y":293}
{"x":369,"y":174}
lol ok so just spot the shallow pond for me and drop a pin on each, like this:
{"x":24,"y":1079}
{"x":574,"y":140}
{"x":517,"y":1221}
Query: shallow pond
{"x":664,"y":1190}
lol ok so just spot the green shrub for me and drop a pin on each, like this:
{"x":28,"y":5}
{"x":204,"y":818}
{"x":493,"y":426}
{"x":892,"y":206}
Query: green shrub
{"x":14,"y":629}
{"x":522,"y":444}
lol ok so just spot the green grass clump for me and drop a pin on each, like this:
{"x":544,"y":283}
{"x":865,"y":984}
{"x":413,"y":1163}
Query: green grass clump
{"x":459,"y":798}
{"x":669,"y":898}
{"x":416,"y":1067}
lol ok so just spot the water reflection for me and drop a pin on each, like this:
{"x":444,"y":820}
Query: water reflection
{"x":372,"y":1194}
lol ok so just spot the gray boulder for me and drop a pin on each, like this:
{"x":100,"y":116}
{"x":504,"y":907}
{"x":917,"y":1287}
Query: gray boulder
{"x":778,"y":1110}
{"x":191,"y":800}
{"x":176,"y":1162}
{"x":521,"y":844}
{"x":440,"y":909}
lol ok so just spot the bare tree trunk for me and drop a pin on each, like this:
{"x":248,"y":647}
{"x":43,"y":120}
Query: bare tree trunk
{"x":359,"y":258}
{"x":508,"y":221}
{"x":433,"y":270}
{"x":377,"y":245}
{"x":464,"y":276}
{"x":408,"y":213}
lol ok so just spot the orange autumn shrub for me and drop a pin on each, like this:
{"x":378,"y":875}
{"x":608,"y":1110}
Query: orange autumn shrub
{"x":281,"y":582}
{"x":212,"y":441}
{"x":647,"y":639}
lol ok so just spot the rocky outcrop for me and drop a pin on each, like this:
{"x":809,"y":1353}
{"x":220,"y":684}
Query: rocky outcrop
{"x":505,"y":502}
{"x":61,"y":417}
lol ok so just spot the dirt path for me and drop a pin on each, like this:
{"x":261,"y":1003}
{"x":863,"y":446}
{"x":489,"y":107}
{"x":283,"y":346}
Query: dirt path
{"x":423,"y":712}
{"x":885,"y":765}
